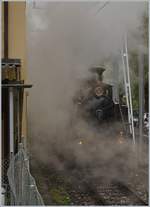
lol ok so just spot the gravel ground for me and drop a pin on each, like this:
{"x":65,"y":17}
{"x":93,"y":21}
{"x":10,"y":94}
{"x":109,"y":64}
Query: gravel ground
{"x":50,"y":179}
{"x":66,"y":187}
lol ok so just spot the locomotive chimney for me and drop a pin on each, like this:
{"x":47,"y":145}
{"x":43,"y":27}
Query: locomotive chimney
{"x":99,"y":71}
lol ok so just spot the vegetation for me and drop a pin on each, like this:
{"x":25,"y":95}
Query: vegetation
{"x":134,"y":65}
{"x":60,"y":196}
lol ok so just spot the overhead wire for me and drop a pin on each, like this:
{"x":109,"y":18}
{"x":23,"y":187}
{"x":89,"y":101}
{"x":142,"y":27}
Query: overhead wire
{"x":102,"y":7}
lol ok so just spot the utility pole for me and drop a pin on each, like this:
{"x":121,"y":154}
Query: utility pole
{"x":141,"y":101}
{"x":126,"y":71}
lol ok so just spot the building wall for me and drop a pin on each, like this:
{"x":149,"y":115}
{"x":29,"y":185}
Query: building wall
{"x":17,"y":42}
{"x":17,"y":33}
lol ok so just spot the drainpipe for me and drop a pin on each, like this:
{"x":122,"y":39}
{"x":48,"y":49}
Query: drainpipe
{"x":5,"y":29}
{"x":11,"y":121}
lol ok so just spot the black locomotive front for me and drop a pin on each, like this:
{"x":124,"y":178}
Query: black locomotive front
{"x":101,"y":108}
{"x":95,"y":97}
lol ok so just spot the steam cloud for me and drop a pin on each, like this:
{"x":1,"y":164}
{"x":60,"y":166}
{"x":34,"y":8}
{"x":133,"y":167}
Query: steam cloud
{"x":64,"y":41}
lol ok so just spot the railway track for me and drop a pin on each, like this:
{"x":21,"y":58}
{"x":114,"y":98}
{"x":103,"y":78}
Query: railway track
{"x":113,"y":192}
{"x":116,"y":193}
{"x":84,"y":190}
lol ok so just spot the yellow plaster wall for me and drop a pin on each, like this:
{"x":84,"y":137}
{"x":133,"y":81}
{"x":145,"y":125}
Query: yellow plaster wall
{"x":17,"y":42}
{"x":17,"y":33}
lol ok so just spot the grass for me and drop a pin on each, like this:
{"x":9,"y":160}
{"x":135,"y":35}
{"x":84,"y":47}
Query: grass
{"x":60,"y":196}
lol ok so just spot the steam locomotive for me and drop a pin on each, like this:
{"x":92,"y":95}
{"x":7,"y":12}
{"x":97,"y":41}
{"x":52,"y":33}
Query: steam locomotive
{"x":95,"y":105}
{"x":94,"y":99}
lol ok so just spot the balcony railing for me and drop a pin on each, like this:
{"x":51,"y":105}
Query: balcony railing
{"x":11,"y":70}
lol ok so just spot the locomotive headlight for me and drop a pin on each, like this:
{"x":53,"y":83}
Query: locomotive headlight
{"x":121,"y":138}
{"x":80,"y":142}
{"x":120,"y":141}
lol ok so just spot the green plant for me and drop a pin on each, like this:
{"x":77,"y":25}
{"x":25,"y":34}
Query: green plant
{"x":60,"y":196}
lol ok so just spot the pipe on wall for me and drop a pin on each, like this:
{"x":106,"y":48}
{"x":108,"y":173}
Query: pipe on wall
{"x":6,"y":29}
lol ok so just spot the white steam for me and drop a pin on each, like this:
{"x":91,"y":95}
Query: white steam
{"x":64,"y":41}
